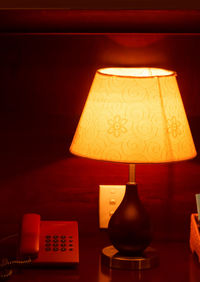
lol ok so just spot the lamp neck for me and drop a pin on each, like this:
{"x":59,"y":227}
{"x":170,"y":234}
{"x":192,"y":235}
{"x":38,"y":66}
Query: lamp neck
{"x":131,"y":192}
{"x":131,"y":179}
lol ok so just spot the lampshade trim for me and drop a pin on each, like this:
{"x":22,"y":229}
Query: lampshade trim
{"x":165,"y":118}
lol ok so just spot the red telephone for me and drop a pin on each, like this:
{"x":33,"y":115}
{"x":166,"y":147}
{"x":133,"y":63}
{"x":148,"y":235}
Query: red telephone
{"x":49,"y":242}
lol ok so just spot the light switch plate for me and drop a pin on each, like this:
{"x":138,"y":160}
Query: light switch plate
{"x":110,"y":196}
{"x":198,"y":205}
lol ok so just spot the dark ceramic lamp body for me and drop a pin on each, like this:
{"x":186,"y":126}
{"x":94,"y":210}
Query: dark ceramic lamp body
{"x":130,"y":232}
{"x":129,"y":228}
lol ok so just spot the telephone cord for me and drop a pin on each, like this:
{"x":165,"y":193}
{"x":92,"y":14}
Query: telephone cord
{"x":6,"y":266}
{"x":8,"y":237}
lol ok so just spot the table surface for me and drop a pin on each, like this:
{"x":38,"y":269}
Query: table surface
{"x":176,"y":264}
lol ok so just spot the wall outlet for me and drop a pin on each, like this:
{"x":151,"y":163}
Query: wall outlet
{"x":110,"y":196}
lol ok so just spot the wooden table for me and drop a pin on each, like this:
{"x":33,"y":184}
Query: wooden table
{"x":176,"y":264}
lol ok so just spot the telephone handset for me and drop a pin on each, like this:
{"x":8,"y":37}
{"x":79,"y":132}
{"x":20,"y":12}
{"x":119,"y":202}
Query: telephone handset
{"x":49,"y":242}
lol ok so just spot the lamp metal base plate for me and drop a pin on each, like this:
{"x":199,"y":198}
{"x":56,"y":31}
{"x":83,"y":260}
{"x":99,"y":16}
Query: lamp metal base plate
{"x":113,"y":259}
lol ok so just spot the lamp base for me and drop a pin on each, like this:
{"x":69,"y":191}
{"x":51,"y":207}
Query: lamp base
{"x":113,"y":259}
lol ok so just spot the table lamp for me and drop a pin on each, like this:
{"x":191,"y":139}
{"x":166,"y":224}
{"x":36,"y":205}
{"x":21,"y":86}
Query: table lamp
{"x":133,"y":115}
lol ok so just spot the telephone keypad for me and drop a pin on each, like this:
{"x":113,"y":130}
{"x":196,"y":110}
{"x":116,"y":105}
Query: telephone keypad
{"x":50,"y":241}
{"x":59,"y":243}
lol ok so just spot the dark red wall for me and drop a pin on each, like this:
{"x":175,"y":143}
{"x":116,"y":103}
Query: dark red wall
{"x":44,"y":82}
{"x":99,"y":4}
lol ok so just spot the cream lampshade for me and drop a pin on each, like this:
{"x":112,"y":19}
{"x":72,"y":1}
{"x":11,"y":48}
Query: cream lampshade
{"x":133,"y":115}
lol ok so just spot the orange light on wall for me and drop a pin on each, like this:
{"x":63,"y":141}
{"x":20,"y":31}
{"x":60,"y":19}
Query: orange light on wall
{"x":133,"y":115}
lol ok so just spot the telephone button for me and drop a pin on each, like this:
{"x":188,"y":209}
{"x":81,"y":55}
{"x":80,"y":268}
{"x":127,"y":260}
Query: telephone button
{"x":48,"y":245}
{"x":55,"y":249}
{"x":47,"y":240}
{"x":48,"y":236}
{"x":70,"y":236}
{"x":70,"y":240}
{"x":55,"y":244}
{"x":63,"y":245}
{"x":55,"y":236}
{"x":70,"y":249}
{"x":62,"y":236}
{"x":55,"y":240}
{"x":47,"y":249}
{"x":63,"y":240}
{"x":63,"y":249}
{"x":71,"y":245}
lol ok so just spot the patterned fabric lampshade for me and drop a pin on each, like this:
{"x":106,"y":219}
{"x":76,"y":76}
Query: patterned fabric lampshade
{"x":134,"y":115}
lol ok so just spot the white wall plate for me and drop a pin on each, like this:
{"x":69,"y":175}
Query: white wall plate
{"x":110,"y":196}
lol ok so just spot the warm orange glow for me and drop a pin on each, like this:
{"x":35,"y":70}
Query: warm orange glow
{"x":136,"y":72}
{"x":134,"y":115}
